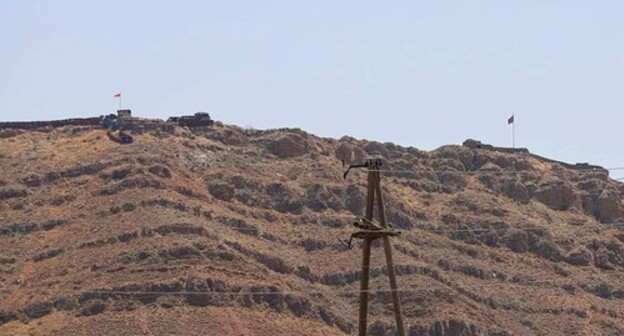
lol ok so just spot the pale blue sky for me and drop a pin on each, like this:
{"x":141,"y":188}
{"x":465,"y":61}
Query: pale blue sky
{"x":418,"y":73}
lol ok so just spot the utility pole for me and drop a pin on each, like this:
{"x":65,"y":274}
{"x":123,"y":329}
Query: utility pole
{"x":370,"y":231}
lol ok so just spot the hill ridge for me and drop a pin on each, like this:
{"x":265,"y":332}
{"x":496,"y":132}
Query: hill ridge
{"x":497,"y":242}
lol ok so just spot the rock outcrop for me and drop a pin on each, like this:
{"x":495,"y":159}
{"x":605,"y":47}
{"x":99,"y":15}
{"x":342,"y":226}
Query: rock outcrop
{"x":289,"y":145}
{"x":558,"y":196}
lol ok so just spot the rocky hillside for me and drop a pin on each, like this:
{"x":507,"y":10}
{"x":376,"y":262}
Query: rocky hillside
{"x":226,"y":231}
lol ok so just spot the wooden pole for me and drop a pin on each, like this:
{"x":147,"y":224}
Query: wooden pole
{"x":370,"y":201}
{"x":396,"y":300}
{"x":364,"y":286}
{"x":374,"y":189}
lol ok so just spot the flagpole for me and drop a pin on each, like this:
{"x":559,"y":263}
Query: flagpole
{"x":120,"y":102}
{"x":513,"y":131}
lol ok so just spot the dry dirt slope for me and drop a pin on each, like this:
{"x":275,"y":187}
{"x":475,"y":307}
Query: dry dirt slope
{"x":234,"y":232}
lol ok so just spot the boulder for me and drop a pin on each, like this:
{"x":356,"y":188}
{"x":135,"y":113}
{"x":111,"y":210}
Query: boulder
{"x":284,"y":199}
{"x":232,"y":137}
{"x":32,"y":180}
{"x":376,"y":148}
{"x":589,"y":204}
{"x":221,"y":191}
{"x":601,"y":259}
{"x":286,"y":146}
{"x":523,"y":164}
{"x":517,"y":241}
{"x":344,"y":152}
{"x":592,"y":184}
{"x":448,"y":328}
{"x":466,"y":157}
{"x":490,"y":181}
{"x":83,"y":170}
{"x":609,"y":206}
{"x":515,"y":190}
{"x":447,"y":164}
{"x":51,"y":177}
{"x":298,"y":305}
{"x":479,"y":160}
{"x":558,"y":196}
{"x":38,"y":309}
{"x":93,"y":308}
{"x":452,"y":182}
{"x":312,"y":244}
{"x":546,"y":249}
{"x":486,"y":166}
{"x":580,"y":256}
{"x":316,"y":197}
{"x":463,"y":156}
{"x":9,"y":133}
{"x":12,"y":193}
{"x":379,"y":328}
{"x":160,"y":171}
{"x":503,"y":161}
{"x":355,"y":200}
{"x":6,"y":317}
{"x":603,"y":290}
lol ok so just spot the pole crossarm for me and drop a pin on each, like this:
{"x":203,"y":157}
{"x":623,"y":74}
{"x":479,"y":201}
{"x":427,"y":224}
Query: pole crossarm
{"x":375,"y":234}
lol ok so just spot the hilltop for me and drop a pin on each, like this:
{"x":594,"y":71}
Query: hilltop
{"x":229,"y":231}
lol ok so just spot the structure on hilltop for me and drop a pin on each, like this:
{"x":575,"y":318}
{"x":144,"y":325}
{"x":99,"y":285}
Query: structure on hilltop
{"x":123,"y":119}
{"x":476,"y":144}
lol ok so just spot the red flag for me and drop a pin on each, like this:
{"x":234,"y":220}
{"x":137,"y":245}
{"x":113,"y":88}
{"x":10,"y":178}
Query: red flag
{"x":117,"y":95}
{"x":510,"y":120}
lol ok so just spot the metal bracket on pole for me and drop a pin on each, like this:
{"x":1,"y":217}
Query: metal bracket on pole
{"x":370,"y":231}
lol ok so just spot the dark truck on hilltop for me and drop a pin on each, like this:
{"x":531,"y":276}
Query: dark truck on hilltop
{"x":198,"y":119}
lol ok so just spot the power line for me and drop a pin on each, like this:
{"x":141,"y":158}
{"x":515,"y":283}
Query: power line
{"x":421,"y":171}
{"x":294,"y":292}
{"x":418,"y":173}
{"x":436,"y":229}
{"x":477,"y":172}
{"x":440,"y":171}
{"x":115,"y":292}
